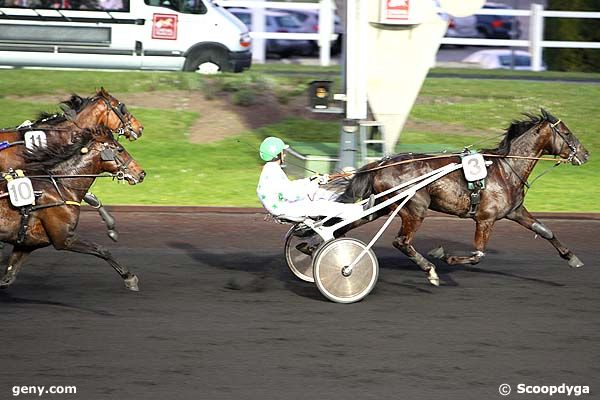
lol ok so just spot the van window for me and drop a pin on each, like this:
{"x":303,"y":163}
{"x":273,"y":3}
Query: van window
{"x":80,"y":5}
{"x":183,"y":6}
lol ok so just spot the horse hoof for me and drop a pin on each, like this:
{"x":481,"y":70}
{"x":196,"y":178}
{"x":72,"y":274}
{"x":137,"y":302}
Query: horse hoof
{"x":438,"y":252}
{"x":433,"y":277}
{"x":575,"y":262}
{"x":5,"y":283}
{"x":113,"y":235}
{"x":132,"y":283}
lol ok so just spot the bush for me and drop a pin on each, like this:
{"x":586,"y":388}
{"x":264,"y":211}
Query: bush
{"x":244,"y":97}
{"x":585,"y":60}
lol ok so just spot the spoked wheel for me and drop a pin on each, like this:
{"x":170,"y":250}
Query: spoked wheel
{"x":329,"y":270}
{"x":297,"y":246}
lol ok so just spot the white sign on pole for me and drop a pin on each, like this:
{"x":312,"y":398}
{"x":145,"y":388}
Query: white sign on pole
{"x":399,"y":12}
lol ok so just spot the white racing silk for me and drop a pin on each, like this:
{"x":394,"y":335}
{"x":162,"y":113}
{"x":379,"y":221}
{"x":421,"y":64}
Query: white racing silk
{"x":299,"y":198}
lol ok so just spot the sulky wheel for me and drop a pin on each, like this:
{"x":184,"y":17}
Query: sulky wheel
{"x":298,"y":243}
{"x":329,"y":274}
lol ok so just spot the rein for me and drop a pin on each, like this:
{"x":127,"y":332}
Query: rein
{"x":345,"y":174}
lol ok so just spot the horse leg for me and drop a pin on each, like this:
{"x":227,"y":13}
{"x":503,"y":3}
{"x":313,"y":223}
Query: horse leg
{"x":524,"y":218}
{"x":15,"y":261}
{"x":78,"y":245}
{"x":483,"y":230}
{"x":403,"y":242}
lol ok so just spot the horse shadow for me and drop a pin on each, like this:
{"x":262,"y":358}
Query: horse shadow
{"x":8,"y":299}
{"x":269,"y":272}
{"x":398,"y":261}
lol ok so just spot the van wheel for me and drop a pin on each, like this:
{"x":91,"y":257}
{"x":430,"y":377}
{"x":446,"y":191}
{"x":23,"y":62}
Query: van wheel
{"x":208,"y":62}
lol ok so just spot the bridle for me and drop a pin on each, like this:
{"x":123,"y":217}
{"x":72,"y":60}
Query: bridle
{"x":111,"y":153}
{"x":572,"y":155}
{"x":572,"y":148}
{"x":120,"y":111}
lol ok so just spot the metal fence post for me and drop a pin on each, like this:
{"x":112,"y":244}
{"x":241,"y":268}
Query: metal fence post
{"x":536,"y":36}
{"x":325,"y":31}
{"x":259,"y":45}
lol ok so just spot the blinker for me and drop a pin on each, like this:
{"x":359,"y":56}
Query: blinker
{"x":107,"y":155}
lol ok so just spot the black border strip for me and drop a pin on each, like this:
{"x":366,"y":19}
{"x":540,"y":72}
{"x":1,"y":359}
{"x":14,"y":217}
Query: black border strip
{"x":124,"y":21}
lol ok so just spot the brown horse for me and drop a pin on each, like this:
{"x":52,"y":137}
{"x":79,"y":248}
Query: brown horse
{"x":79,"y":114}
{"x":54,"y":217}
{"x":502,"y":197}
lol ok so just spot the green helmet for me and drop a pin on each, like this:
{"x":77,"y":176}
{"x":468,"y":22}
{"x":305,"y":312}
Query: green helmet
{"x":271,"y":147}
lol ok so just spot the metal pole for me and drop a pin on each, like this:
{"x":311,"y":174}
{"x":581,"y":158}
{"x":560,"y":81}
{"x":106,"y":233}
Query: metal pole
{"x":355,"y":79}
{"x":325,"y":31}
{"x":536,"y":36}
{"x":356,"y":59}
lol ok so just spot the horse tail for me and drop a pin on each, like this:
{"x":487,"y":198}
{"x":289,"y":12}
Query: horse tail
{"x":360,"y":187}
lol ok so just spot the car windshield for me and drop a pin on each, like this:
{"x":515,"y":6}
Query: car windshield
{"x":287,"y":21}
{"x":519,"y":61}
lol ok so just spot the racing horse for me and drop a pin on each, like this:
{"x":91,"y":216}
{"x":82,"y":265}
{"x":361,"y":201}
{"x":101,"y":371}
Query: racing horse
{"x":61,"y":176}
{"x":79,"y":113}
{"x":524,"y":142}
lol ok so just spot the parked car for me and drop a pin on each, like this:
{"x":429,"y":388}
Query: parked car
{"x":498,"y":26}
{"x":501,"y":58}
{"x":310,"y":23}
{"x":462,"y":27}
{"x":278,"y":21}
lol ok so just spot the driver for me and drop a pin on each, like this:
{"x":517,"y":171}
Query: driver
{"x":281,"y":196}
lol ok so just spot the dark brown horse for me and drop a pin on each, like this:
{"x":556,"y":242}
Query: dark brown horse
{"x":62,"y":129}
{"x":502,"y":197}
{"x":54,"y":217}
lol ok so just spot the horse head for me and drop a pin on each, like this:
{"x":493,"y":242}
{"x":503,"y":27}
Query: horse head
{"x":93,"y":151}
{"x":563,"y":142}
{"x":117,"y":117}
{"x":111,"y":157}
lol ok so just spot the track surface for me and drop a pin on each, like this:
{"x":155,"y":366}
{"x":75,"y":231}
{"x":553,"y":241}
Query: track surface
{"x":220,"y":317}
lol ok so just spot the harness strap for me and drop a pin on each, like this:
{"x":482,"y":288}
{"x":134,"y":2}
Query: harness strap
{"x":25,"y":215}
{"x":475,"y":198}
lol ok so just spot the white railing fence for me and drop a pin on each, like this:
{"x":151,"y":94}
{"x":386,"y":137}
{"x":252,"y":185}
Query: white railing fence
{"x":259,"y":34}
{"x":535,"y":43}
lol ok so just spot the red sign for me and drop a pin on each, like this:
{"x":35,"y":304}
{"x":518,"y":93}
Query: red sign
{"x":396,"y":9}
{"x":164,"y":26}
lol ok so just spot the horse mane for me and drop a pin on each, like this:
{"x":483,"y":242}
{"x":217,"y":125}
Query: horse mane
{"x":517,"y":128}
{"x":45,"y":158}
{"x":71,"y":107}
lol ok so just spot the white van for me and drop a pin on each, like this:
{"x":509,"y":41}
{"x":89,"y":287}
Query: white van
{"x":189,"y":35}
